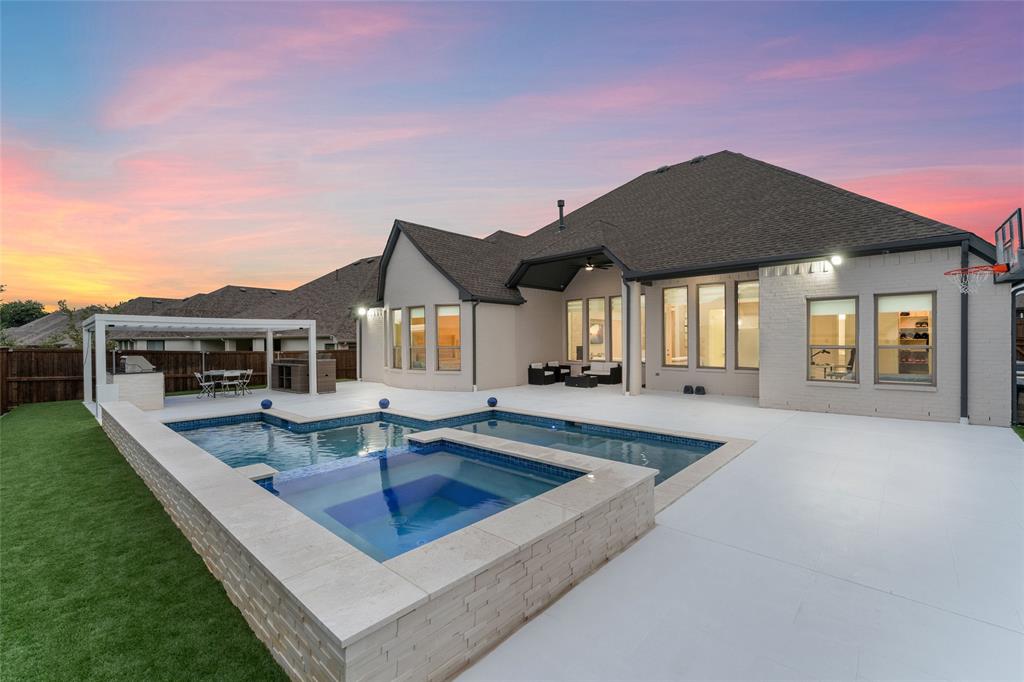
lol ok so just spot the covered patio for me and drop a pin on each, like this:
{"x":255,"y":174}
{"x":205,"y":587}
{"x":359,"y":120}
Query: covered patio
{"x":94,"y":343}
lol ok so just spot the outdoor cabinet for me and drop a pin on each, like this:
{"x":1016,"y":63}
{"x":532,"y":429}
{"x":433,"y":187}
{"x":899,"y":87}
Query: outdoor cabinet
{"x":291,"y":374}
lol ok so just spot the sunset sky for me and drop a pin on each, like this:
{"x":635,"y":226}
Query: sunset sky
{"x":167,"y":149}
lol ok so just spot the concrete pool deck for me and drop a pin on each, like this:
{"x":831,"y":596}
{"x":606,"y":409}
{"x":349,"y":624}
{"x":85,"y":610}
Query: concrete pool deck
{"x":834,"y":547}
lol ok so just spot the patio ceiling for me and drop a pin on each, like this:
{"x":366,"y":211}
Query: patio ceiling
{"x":555,"y":273}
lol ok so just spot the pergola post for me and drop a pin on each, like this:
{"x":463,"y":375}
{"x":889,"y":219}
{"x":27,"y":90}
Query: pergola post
{"x":100,"y":342}
{"x":311,"y":333}
{"x":87,"y":366}
{"x":268,"y":348}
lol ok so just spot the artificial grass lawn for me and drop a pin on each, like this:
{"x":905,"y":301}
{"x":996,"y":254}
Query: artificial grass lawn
{"x":1020,"y":431}
{"x":96,"y":582}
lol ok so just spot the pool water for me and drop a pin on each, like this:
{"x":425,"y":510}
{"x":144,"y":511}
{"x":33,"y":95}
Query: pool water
{"x":667,"y":456}
{"x":239,"y":445}
{"x":254,"y":442}
{"x":390,"y":502}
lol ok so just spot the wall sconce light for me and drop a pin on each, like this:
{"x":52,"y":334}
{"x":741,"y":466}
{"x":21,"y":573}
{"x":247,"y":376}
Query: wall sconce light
{"x":361,"y":311}
{"x":836,"y":260}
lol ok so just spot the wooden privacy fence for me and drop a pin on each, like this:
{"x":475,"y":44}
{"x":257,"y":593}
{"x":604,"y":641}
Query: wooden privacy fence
{"x":40,"y":375}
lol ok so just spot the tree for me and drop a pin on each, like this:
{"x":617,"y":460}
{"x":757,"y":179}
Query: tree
{"x":5,"y":338}
{"x":75,"y":317}
{"x":17,"y":313}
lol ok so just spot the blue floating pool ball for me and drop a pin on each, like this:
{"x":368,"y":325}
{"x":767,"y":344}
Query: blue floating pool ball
{"x":492,"y":401}
{"x":266,"y":403}
{"x":384,"y":403}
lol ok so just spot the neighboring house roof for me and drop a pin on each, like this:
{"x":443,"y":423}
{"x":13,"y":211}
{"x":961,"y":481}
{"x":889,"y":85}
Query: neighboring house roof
{"x":147,"y":305}
{"x":228,"y":301}
{"x":477,"y":267}
{"x":49,"y":330}
{"x":328,"y":299}
{"x":719,"y":213}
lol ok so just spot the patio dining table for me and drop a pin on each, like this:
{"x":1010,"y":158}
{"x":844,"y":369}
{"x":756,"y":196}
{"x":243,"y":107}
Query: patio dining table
{"x":222,"y":375}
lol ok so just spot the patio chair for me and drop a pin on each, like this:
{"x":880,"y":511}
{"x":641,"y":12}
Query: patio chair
{"x":243,"y":382}
{"x":561,"y":371}
{"x":206,"y":388}
{"x":605,"y":372}
{"x":232,"y":380}
{"x":538,"y":375}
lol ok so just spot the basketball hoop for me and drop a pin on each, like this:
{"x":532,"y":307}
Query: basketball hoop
{"x":967,"y":280}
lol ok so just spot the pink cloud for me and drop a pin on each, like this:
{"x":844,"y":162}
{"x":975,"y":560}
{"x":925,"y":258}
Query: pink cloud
{"x":845,"y":63}
{"x":160,"y":92}
{"x":976,"y":198}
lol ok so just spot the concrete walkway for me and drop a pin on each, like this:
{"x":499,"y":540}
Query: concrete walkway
{"x":836,"y":547}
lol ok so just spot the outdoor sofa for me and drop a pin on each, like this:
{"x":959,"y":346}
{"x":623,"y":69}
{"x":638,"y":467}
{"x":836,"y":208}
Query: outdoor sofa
{"x":606,"y":372}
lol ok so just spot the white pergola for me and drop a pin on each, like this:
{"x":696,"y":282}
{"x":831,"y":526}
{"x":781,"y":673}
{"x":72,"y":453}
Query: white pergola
{"x":94,"y":336}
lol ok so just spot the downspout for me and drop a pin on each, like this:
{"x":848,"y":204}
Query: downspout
{"x":964,"y":297}
{"x":359,"y":347}
{"x":475,"y":303}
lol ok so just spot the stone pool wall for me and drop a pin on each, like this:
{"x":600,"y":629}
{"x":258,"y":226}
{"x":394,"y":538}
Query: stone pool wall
{"x":328,"y":612}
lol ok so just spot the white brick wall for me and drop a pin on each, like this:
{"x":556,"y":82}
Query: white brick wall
{"x":784,"y":337}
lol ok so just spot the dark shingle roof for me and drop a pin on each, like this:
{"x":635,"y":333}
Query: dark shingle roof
{"x":328,"y":299}
{"x":50,"y":330}
{"x":147,"y":305}
{"x":728,"y":208}
{"x":228,"y":301}
{"x":477,"y":267}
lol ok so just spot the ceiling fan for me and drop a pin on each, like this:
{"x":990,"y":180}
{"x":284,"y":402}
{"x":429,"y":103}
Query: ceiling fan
{"x":590,"y":266}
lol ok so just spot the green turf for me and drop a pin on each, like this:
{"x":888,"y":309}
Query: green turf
{"x":1020,"y":431}
{"x":96,"y":582}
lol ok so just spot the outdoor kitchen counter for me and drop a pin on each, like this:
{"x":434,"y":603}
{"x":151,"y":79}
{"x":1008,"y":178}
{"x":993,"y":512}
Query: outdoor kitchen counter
{"x":145,"y":390}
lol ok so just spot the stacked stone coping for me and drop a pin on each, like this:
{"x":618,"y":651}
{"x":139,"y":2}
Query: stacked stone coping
{"x":667,"y":492}
{"x":326,"y":611}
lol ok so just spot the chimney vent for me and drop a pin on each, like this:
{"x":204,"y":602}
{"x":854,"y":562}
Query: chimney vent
{"x":561,"y":215}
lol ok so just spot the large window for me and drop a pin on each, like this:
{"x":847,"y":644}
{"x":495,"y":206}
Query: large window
{"x":748,"y":295}
{"x":643,"y":327}
{"x":396,"y":338}
{"x":417,"y":338}
{"x":616,"y":326}
{"x":574,"y":330}
{"x":596,"y":329}
{"x":676,"y":327}
{"x":905,"y":325}
{"x":711,"y":329}
{"x":449,"y":339}
{"x":155,"y":345}
{"x":832,"y":339}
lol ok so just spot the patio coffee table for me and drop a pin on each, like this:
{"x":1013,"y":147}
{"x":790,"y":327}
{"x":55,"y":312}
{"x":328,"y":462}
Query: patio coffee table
{"x":581,"y":381}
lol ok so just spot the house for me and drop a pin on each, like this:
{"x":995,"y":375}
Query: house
{"x":329,"y":300}
{"x":724,"y":272}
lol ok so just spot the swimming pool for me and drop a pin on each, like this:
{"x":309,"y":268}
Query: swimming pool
{"x":390,"y":502}
{"x":261,"y":438}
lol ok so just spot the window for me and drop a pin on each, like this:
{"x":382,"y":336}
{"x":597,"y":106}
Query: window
{"x":905,"y":343}
{"x":643,"y":327}
{"x":596,"y":329}
{"x":676,"y":327}
{"x":243,"y":344}
{"x":417,"y":338}
{"x":449,"y":339}
{"x":748,"y":299}
{"x":711,"y":327}
{"x":616,"y":339}
{"x":155,"y":345}
{"x":832,"y":339}
{"x":574,"y":330}
{"x":396,"y":338}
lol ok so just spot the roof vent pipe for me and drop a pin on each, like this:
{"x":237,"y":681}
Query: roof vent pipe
{"x":561,"y":216}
